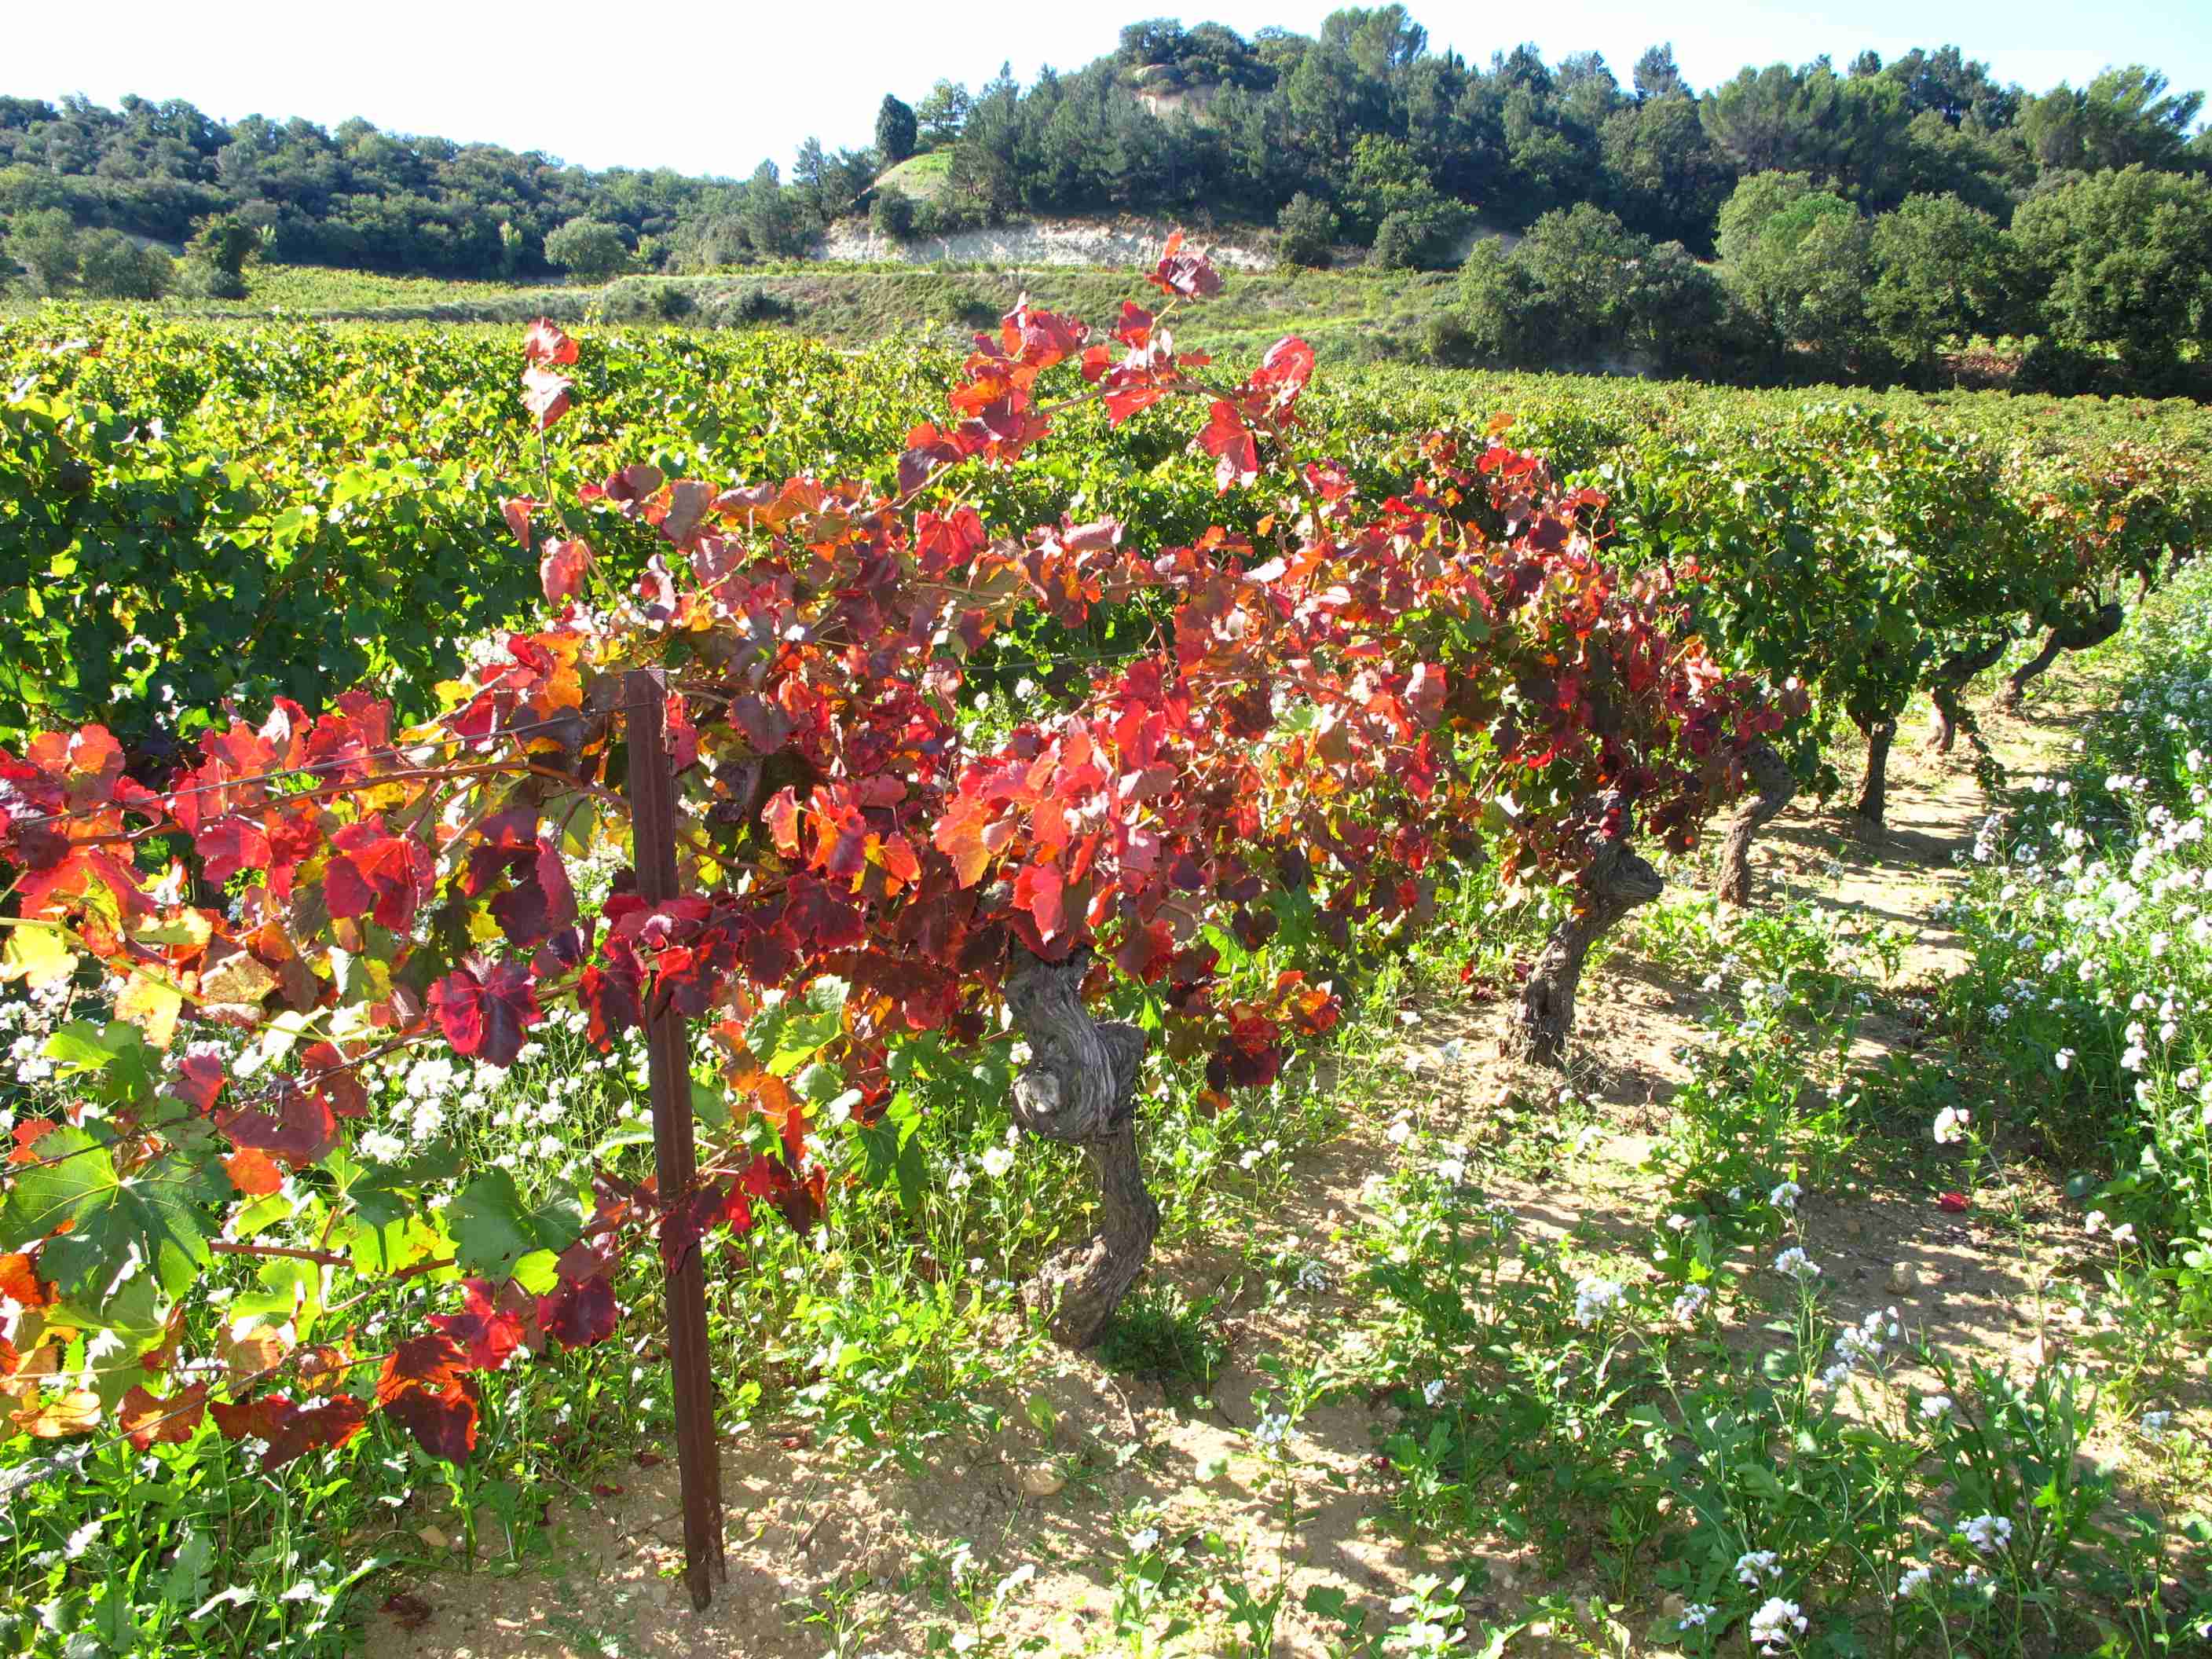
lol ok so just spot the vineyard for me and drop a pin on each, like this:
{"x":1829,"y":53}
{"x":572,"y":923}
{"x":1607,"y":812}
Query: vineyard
{"x":588,"y":901}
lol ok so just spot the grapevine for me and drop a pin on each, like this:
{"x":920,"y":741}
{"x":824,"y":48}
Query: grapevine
{"x":1339,"y":704}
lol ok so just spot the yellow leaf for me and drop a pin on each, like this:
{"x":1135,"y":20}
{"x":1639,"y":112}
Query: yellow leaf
{"x":248,"y":1357}
{"x":37,"y":955}
{"x":238,"y":978}
{"x":41,"y":1359}
{"x":152,"y":1006}
{"x":55,"y":1417}
{"x":186,"y":927}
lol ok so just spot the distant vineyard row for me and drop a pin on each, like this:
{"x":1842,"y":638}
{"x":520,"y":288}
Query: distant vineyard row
{"x":197,"y":512}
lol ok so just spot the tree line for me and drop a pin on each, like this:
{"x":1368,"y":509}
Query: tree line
{"x":1836,"y":199}
{"x":355,"y":197}
{"x":1200,"y":119}
{"x":2109,"y":273}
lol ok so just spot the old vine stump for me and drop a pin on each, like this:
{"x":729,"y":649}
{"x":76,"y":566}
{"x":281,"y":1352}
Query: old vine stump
{"x":1873,"y":788}
{"x":1772,"y":787}
{"x":1080,"y":1088}
{"x":1619,"y":880}
{"x":2076,"y":636}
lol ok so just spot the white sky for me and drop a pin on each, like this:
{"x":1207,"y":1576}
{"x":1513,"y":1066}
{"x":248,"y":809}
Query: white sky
{"x":712,"y":89}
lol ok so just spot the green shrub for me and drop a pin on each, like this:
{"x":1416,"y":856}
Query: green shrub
{"x":2062,"y":370}
{"x":973,"y":310}
{"x":590,"y":249}
{"x":1308,"y":230}
{"x":1942,"y":269}
{"x":45,"y":244}
{"x":947,"y":213}
{"x":645,"y":300}
{"x":753,"y":306}
{"x":1500,"y":307}
{"x":197,"y":279}
{"x":225,"y":242}
{"x":1447,"y":340}
{"x":111,"y":266}
{"x":896,"y":129}
{"x":1403,"y":241}
{"x":891,"y":214}
{"x":1798,"y":263}
{"x":1583,"y":290}
{"x":2126,"y":261}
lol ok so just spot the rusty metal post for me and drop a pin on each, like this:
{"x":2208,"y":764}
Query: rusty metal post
{"x":653,"y":827}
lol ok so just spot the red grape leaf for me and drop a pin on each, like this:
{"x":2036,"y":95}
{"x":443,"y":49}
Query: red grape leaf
{"x":488,"y":1333}
{"x":253,"y":1173}
{"x":545,"y":342}
{"x":301,"y":1130}
{"x":19,"y":1281}
{"x":150,"y":1422}
{"x":484,"y":1011}
{"x":1037,"y":889}
{"x":311,"y":1425}
{"x":1231,"y":442}
{"x":545,"y":395}
{"x":561,"y":571}
{"x":424,"y":1388}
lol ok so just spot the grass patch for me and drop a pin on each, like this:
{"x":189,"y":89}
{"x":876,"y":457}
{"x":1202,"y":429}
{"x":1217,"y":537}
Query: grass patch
{"x":1162,"y":1336}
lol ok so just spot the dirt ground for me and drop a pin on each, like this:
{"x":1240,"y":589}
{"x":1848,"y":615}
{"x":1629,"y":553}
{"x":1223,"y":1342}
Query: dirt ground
{"x":801,"y":1524}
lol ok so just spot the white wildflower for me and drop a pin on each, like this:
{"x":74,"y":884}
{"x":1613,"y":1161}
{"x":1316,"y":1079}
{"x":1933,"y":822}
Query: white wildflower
{"x":1988,"y":1533}
{"x":1594,"y":1299}
{"x":1799,"y":1265}
{"x":1777,"y":1624}
{"x":1757,"y":1564}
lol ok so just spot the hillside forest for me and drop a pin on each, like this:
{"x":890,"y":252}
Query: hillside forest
{"x":1852,"y":221}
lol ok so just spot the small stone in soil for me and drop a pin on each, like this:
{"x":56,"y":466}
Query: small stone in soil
{"x":1042,"y":1480}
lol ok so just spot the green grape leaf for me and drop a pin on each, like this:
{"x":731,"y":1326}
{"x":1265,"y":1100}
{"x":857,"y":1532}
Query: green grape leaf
{"x":112,"y":1219}
{"x":786,"y":1036}
{"x":493,"y":1229}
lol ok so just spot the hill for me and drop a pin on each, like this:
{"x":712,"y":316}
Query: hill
{"x":1865,"y":222}
{"x":1201,"y":124}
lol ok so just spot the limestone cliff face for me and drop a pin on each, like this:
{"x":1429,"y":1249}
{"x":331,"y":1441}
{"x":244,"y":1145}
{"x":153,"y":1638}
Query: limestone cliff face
{"x":1035,"y":242}
{"x":1196,"y":102}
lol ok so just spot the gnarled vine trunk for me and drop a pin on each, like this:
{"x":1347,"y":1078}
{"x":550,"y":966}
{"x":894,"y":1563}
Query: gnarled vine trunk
{"x":1950,"y":679}
{"x":1617,"y":880}
{"x":2078,"y":635}
{"x":1873,"y":788}
{"x":1772,"y":786}
{"x":1080,"y":1088}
